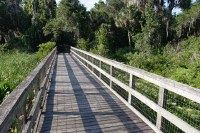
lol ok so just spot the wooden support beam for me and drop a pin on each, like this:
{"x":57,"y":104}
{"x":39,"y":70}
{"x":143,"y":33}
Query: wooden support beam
{"x":111,"y":74}
{"x":100,"y":65}
{"x":92,"y":63}
{"x":132,"y":81}
{"x":162,"y":101}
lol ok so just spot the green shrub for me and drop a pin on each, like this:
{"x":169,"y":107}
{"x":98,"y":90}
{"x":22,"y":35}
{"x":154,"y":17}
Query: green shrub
{"x":83,"y":44}
{"x":5,"y":89}
{"x":183,"y":75}
{"x":44,"y":49}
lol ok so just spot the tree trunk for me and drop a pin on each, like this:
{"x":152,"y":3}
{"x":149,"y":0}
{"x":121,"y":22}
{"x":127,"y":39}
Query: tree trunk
{"x":167,"y":30}
{"x":169,"y":17}
{"x":129,"y":38}
{"x":16,"y":11}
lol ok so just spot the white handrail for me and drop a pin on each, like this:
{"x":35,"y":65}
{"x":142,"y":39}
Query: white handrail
{"x":168,"y":84}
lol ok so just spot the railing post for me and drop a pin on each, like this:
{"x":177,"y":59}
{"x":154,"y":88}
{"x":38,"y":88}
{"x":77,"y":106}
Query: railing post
{"x":162,"y":101}
{"x":87,"y":57}
{"x":100,"y":65}
{"x":111,"y":73}
{"x":21,"y":118}
{"x":131,"y":85}
{"x":93,"y":64}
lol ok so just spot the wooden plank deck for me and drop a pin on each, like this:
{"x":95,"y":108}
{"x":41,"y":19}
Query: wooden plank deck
{"x":78,"y":102}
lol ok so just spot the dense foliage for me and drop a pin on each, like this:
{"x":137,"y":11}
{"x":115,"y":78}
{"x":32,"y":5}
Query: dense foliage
{"x":21,"y":31}
{"x":182,"y":65}
{"x":153,"y":38}
{"x":71,"y":23}
{"x":21,"y":22}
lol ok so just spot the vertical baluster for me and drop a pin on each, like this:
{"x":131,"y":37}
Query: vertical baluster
{"x":93,"y":64}
{"x":111,"y":73}
{"x":87,"y":58}
{"x":47,"y":73}
{"x":21,"y":118}
{"x":162,"y":101}
{"x":100,"y":65}
{"x":132,"y":81}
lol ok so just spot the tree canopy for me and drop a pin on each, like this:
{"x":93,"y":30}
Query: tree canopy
{"x":143,"y":25}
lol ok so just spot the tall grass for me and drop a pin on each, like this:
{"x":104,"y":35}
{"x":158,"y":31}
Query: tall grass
{"x":14,"y":67}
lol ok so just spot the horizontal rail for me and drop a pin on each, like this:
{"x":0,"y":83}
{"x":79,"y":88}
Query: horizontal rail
{"x":164,"y":83}
{"x":171,"y":85}
{"x":23,"y":105}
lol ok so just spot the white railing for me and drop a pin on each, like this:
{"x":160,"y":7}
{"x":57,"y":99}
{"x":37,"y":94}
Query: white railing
{"x":165,"y":86}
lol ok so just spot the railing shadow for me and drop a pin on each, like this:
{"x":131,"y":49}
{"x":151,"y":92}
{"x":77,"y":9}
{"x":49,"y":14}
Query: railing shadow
{"x":82,"y":100}
{"x":87,"y":115}
{"x":113,"y":104}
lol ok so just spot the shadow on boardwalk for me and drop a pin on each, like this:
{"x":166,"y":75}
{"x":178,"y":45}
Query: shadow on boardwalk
{"x":91,"y":109}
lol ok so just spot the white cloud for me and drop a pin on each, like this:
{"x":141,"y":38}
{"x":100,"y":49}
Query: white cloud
{"x":87,"y":3}
{"x":57,"y":1}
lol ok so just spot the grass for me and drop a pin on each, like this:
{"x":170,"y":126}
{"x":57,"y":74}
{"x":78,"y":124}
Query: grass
{"x":14,"y":67}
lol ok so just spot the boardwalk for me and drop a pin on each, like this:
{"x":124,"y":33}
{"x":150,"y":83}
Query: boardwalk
{"x":77,"y":102}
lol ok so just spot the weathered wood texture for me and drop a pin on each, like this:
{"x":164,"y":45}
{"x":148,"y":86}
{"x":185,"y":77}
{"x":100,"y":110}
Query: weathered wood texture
{"x":78,"y":102}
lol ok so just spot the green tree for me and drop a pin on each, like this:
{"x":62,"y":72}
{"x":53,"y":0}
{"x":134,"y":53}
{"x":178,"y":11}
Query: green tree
{"x":114,"y":6}
{"x":128,"y":18}
{"x":188,"y":22}
{"x":83,"y":44}
{"x":99,"y":15}
{"x":151,"y":37}
{"x":41,"y":10}
{"x":104,"y":14}
{"x":7,"y":14}
{"x":102,"y":37}
{"x":183,"y":4}
{"x":72,"y":19}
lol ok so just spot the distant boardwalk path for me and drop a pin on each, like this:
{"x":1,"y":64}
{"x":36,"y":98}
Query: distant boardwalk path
{"x":78,"y":102}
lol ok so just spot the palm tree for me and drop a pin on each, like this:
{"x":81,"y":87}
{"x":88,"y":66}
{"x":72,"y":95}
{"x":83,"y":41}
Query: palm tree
{"x":127,"y":18}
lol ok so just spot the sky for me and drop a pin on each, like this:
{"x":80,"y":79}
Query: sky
{"x":90,"y":3}
{"x":178,"y":10}
{"x":87,"y":3}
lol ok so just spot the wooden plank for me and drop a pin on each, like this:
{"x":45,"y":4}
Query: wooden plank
{"x":83,"y":111}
